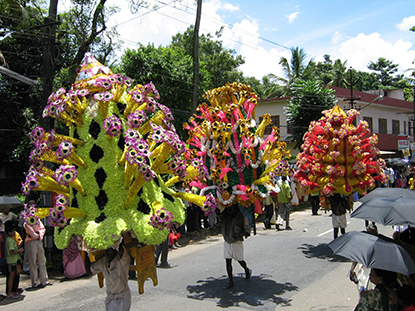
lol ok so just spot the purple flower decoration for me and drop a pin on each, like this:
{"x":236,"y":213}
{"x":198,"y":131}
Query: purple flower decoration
{"x":25,"y":188}
{"x":108,"y":96}
{"x":135,"y":119}
{"x":137,"y":96}
{"x":37,"y":134}
{"x":59,"y":93}
{"x":112,"y":126}
{"x":29,"y":214}
{"x":167,"y":112}
{"x":127,"y":82}
{"x":158,"y":133}
{"x":62,"y":199}
{"x":99,"y":96}
{"x":131,"y":135}
{"x":209,"y":206}
{"x":161,"y":219}
{"x":66,"y":174}
{"x":83,"y":92}
{"x":38,"y":165}
{"x":151,"y":104}
{"x":64,"y":150}
{"x":146,"y":172}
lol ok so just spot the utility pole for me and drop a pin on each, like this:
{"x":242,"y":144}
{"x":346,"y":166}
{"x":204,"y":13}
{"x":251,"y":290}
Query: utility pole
{"x":351,"y":84}
{"x":49,"y":55}
{"x":196,"y":56}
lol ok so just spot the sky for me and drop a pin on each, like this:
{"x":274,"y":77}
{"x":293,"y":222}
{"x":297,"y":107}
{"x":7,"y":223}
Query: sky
{"x":263,"y":31}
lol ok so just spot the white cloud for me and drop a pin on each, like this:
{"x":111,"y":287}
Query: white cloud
{"x":291,"y":17}
{"x":230,"y":7}
{"x":363,"y":49}
{"x":336,"y":38}
{"x":407,"y":23}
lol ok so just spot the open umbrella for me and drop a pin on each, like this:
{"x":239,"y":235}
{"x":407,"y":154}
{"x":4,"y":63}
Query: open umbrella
{"x":9,"y":202}
{"x":388,"y":193}
{"x":373,"y":251}
{"x":387,"y":210}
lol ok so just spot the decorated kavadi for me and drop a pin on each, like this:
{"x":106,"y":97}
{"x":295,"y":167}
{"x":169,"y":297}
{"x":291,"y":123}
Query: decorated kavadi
{"x":231,"y":150}
{"x":110,"y":173}
{"x":339,"y":157}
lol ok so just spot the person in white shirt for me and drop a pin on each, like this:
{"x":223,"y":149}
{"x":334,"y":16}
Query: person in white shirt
{"x":114,"y":265}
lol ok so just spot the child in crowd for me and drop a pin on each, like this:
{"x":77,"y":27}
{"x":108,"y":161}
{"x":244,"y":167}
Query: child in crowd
{"x":12,"y":257}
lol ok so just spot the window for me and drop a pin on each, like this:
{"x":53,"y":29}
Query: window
{"x":369,"y":120}
{"x":275,"y":122}
{"x":383,"y":126}
{"x":290,"y":129}
{"x":395,"y":127}
{"x":404,"y":127}
{"x":410,"y":128}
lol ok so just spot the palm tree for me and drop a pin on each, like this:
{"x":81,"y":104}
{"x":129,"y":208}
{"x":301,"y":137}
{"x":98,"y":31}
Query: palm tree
{"x":295,"y":69}
{"x":339,"y":73}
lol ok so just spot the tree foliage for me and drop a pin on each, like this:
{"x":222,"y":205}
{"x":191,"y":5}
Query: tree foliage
{"x":296,"y":68}
{"x":309,"y":98}
{"x":170,"y":69}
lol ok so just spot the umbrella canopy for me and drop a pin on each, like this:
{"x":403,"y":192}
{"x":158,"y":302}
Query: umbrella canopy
{"x":388,"y":193}
{"x":387,"y":211}
{"x":9,"y":202}
{"x":395,"y":162}
{"x":373,"y":251}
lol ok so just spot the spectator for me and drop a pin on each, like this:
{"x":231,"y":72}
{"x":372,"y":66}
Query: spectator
{"x":283,"y":198}
{"x":383,"y":297}
{"x":12,"y":257}
{"x":36,"y":253}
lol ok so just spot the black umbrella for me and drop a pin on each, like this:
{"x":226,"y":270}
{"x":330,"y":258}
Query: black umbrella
{"x":9,"y":202}
{"x":388,"y":193}
{"x":387,"y":210}
{"x":373,"y":251}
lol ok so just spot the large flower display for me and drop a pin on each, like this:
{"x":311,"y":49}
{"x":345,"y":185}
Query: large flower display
{"x":339,"y":157}
{"x":237,"y":164}
{"x":110,"y":173}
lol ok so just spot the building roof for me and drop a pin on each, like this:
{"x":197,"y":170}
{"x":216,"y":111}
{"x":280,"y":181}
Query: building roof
{"x":368,"y":97}
{"x":364,"y":98}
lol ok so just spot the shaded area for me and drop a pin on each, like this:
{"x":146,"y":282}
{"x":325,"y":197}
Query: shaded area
{"x":321,"y":251}
{"x":256,"y":292}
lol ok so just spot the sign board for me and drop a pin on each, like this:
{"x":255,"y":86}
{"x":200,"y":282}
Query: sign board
{"x":403,"y":142}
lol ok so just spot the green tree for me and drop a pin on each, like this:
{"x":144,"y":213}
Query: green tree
{"x":171,"y":72}
{"x":384,"y":70}
{"x":217,"y":64}
{"x":309,"y":98}
{"x":296,"y":68}
{"x":23,"y":38}
{"x":170,"y":69}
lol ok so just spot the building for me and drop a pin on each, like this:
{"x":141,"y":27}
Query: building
{"x":388,"y":115}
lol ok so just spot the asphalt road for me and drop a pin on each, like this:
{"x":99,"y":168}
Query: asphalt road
{"x":294,"y":270}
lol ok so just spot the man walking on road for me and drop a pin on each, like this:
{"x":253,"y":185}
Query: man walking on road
{"x":233,"y":232}
{"x":283,"y":199}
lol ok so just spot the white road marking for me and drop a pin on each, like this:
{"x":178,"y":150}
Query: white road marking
{"x":331,"y":230}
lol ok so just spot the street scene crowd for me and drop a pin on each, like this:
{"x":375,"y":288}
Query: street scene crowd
{"x":126,"y":188}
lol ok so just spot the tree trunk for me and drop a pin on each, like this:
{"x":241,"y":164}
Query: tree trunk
{"x":196,"y":56}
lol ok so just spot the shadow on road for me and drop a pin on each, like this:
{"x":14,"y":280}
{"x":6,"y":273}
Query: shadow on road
{"x":321,"y":251}
{"x":255,"y":292}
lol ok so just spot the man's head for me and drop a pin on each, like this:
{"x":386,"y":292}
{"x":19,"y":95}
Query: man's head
{"x":6,"y":210}
{"x":110,"y":253}
{"x":284,"y":178}
{"x":9,"y":228}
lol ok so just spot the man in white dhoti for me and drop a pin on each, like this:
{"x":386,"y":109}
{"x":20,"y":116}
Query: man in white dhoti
{"x":115,"y":265}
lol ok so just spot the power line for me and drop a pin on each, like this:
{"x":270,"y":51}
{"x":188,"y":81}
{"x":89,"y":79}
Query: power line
{"x":218,"y":21}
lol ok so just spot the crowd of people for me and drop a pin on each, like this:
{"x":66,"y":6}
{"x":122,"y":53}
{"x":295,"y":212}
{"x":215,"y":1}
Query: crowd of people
{"x":378,"y":288}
